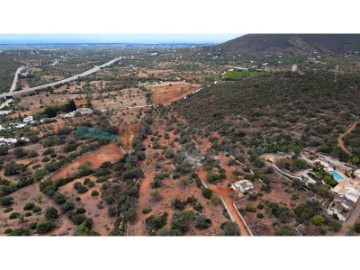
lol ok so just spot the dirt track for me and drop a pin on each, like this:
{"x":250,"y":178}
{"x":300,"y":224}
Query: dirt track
{"x":223,"y":191}
{"x":342,"y":136}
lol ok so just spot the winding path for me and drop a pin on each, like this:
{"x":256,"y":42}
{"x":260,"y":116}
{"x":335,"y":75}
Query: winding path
{"x":342,"y":136}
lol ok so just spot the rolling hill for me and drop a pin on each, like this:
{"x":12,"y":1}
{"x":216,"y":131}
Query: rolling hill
{"x":293,"y":44}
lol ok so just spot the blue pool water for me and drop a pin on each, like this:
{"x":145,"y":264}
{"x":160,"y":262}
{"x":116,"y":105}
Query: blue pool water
{"x":337,"y":176}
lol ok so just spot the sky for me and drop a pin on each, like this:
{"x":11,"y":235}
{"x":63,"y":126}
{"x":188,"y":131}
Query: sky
{"x":115,"y":38}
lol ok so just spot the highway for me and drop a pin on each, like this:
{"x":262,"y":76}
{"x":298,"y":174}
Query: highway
{"x":69,"y":79}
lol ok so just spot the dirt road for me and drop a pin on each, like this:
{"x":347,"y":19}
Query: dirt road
{"x":342,"y":136}
{"x":223,"y":192}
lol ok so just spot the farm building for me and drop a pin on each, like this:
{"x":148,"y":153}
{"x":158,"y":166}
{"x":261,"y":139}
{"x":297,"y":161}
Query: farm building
{"x":28,"y":119}
{"x":242,"y":186}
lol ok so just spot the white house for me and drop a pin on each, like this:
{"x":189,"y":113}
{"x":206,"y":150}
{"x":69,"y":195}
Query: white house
{"x":28,"y":119}
{"x":82,"y":111}
{"x":242,"y":186}
{"x":3,"y":112}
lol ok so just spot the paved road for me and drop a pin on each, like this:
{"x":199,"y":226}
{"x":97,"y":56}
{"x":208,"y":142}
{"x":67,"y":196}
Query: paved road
{"x":16,"y":78}
{"x":69,"y":79}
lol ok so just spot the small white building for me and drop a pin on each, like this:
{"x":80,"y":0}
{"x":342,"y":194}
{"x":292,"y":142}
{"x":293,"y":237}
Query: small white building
{"x":28,"y":119}
{"x":81,"y":111}
{"x":241,"y":69}
{"x":242,"y":186}
{"x":20,"y":125}
{"x":294,"y":68}
{"x":3,"y":112}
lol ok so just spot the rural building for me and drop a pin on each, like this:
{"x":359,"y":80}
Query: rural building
{"x":81,"y":111}
{"x":5,"y":112}
{"x":294,"y":68}
{"x":346,"y":195}
{"x":241,"y":69}
{"x":242,"y":186}
{"x":28,"y":119}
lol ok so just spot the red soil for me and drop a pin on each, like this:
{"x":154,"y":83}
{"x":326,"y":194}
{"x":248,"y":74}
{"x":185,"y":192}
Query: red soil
{"x":109,"y":152}
{"x":164,"y":94}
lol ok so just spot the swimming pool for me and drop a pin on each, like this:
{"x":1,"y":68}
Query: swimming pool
{"x":336,"y":175}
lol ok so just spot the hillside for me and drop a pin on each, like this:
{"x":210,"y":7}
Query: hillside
{"x":293,"y":44}
{"x":278,"y":112}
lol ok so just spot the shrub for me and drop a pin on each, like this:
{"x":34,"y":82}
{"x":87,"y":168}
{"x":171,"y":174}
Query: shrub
{"x":207,"y":193}
{"x":19,"y":232}
{"x":95,"y":193}
{"x":155,"y":223}
{"x":67,"y":206}
{"x":6,"y":201}
{"x":51,"y":213}
{"x":59,"y":198}
{"x":8,"y":209}
{"x":284,"y":231}
{"x":45,"y":227}
{"x":155,"y":196}
{"x":29,"y":206}
{"x":146,"y":211}
{"x":14,"y":215}
{"x":180,"y":221}
{"x":177,"y":204}
{"x":36,"y":209}
{"x":230,"y":228}
{"x":318,"y":220}
{"x":201,"y":222}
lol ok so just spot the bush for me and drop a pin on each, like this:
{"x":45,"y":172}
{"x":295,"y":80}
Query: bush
{"x":155,"y":196}
{"x":67,"y":206}
{"x":14,"y":215}
{"x":36,"y":209}
{"x":207,"y":193}
{"x":177,"y":204}
{"x":318,"y":220}
{"x":45,"y":227}
{"x":29,"y":206}
{"x":94,"y":193}
{"x":51,"y":213}
{"x":59,"y":198}
{"x":181,"y":221}
{"x":284,"y":231}
{"x":77,"y":218}
{"x":81,"y":189}
{"x":155,"y":223}
{"x":201,"y":222}
{"x":8,"y":209}
{"x":230,"y":228}
{"x":146,"y":211}
{"x":6,"y":201}
{"x":19,"y":232}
